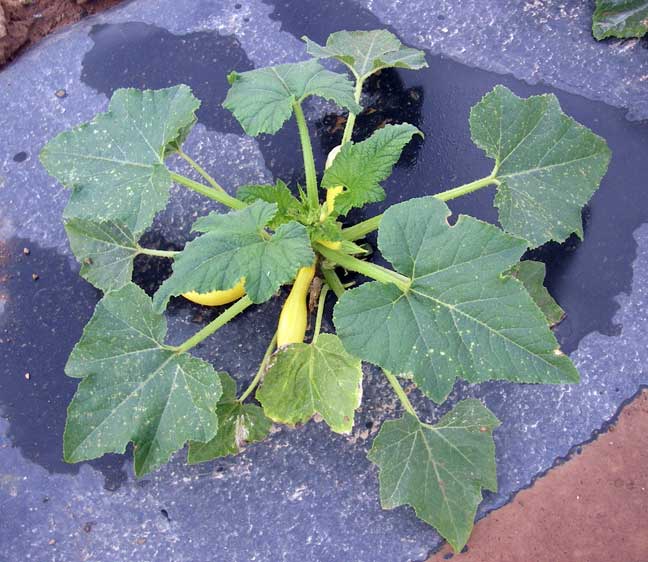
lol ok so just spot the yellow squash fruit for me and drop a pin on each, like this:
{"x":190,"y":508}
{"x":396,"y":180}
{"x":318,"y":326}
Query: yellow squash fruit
{"x":217,"y":298}
{"x":294,"y":316}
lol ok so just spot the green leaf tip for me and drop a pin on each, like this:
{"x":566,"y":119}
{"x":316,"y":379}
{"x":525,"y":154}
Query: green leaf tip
{"x":547,"y":165}
{"x":439,"y":470}
{"x":135,"y":388}
{"x":105,"y":250}
{"x":366,"y":52}
{"x":620,"y":18}
{"x":460,"y":317}
{"x":262,"y":99}
{"x":360,"y":167}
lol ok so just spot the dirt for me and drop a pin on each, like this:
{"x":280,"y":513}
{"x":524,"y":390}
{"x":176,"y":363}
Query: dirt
{"x":592,"y":508}
{"x":25,"y":22}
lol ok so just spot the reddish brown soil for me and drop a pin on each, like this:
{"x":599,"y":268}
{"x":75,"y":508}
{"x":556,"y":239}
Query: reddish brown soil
{"x":593,"y":508}
{"x":25,"y":22}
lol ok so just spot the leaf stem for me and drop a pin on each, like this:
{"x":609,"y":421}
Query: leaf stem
{"x":214,"y":194}
{"x":320,"y":312}
{"x":261,"y":371}
{"x":215,"y":324}
{"x":348,"y":128}
{"x":365,"y":227}
{"x":201,"y":171}
{"x":372,"y":270}
{"x":309,"y":162}
{"x":467,"y":188}
{"x":333,"y":281}
{"x":158,"y":253}
{"x":398,"y":389}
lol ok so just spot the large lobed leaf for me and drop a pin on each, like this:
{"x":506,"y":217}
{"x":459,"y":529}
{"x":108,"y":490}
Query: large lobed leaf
{"x":105,"y":250}
{"x":135,"y":388}
{"x":235,"y":246}
{"x":439,"y":469}
{"x":620,"y":18}
{"x":360,"y":167}
{"x":115,"y":163}
{"x":262,"y":100}
{"x":316,"y":378}
{"x":238,"y":424}
{"x":460,"y":317}
{"x":366,"y":52}
{"x":547,"y":165}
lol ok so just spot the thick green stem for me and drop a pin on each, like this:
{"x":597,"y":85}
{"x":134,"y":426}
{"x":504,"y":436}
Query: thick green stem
{"x":333,"y":281}
{"x":309,"y":162}
{"x":223,"y":198}
{"x":201,"y":171}
{"x":262,"y":368}
{"x":158,"y":253}
{"x":348,"y":128}
{"x":320,"y":312}
{"x":215,"y":324}
{"x":398,"y":389}
{"x":374,"y":271}
{"x":365,"y":227}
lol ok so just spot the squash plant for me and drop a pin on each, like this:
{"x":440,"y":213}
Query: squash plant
{"x":457,"y":302}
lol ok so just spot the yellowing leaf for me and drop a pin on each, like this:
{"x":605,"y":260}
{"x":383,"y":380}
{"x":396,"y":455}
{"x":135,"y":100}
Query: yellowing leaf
{"x":316,"y":378}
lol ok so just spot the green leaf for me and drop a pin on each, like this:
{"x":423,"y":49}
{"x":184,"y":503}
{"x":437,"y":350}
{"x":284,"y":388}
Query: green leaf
{"x":440,"y":469}
{"x":262,"y":100}
{"x":236,"y":246}
{"x":115,"y":163}
{"x":360,"y":167}
{"x":531,"y":274}
{"x":366,"y":52}
{"x":135,"y":388}
{"x":288,"y":206}
{"x":105,"y":250}
{"x":620,"y":18}
{"x":316,"y":378}
{"x":460,"y":316}
{"x":547,"y":165}
{"x":238,"y":424}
